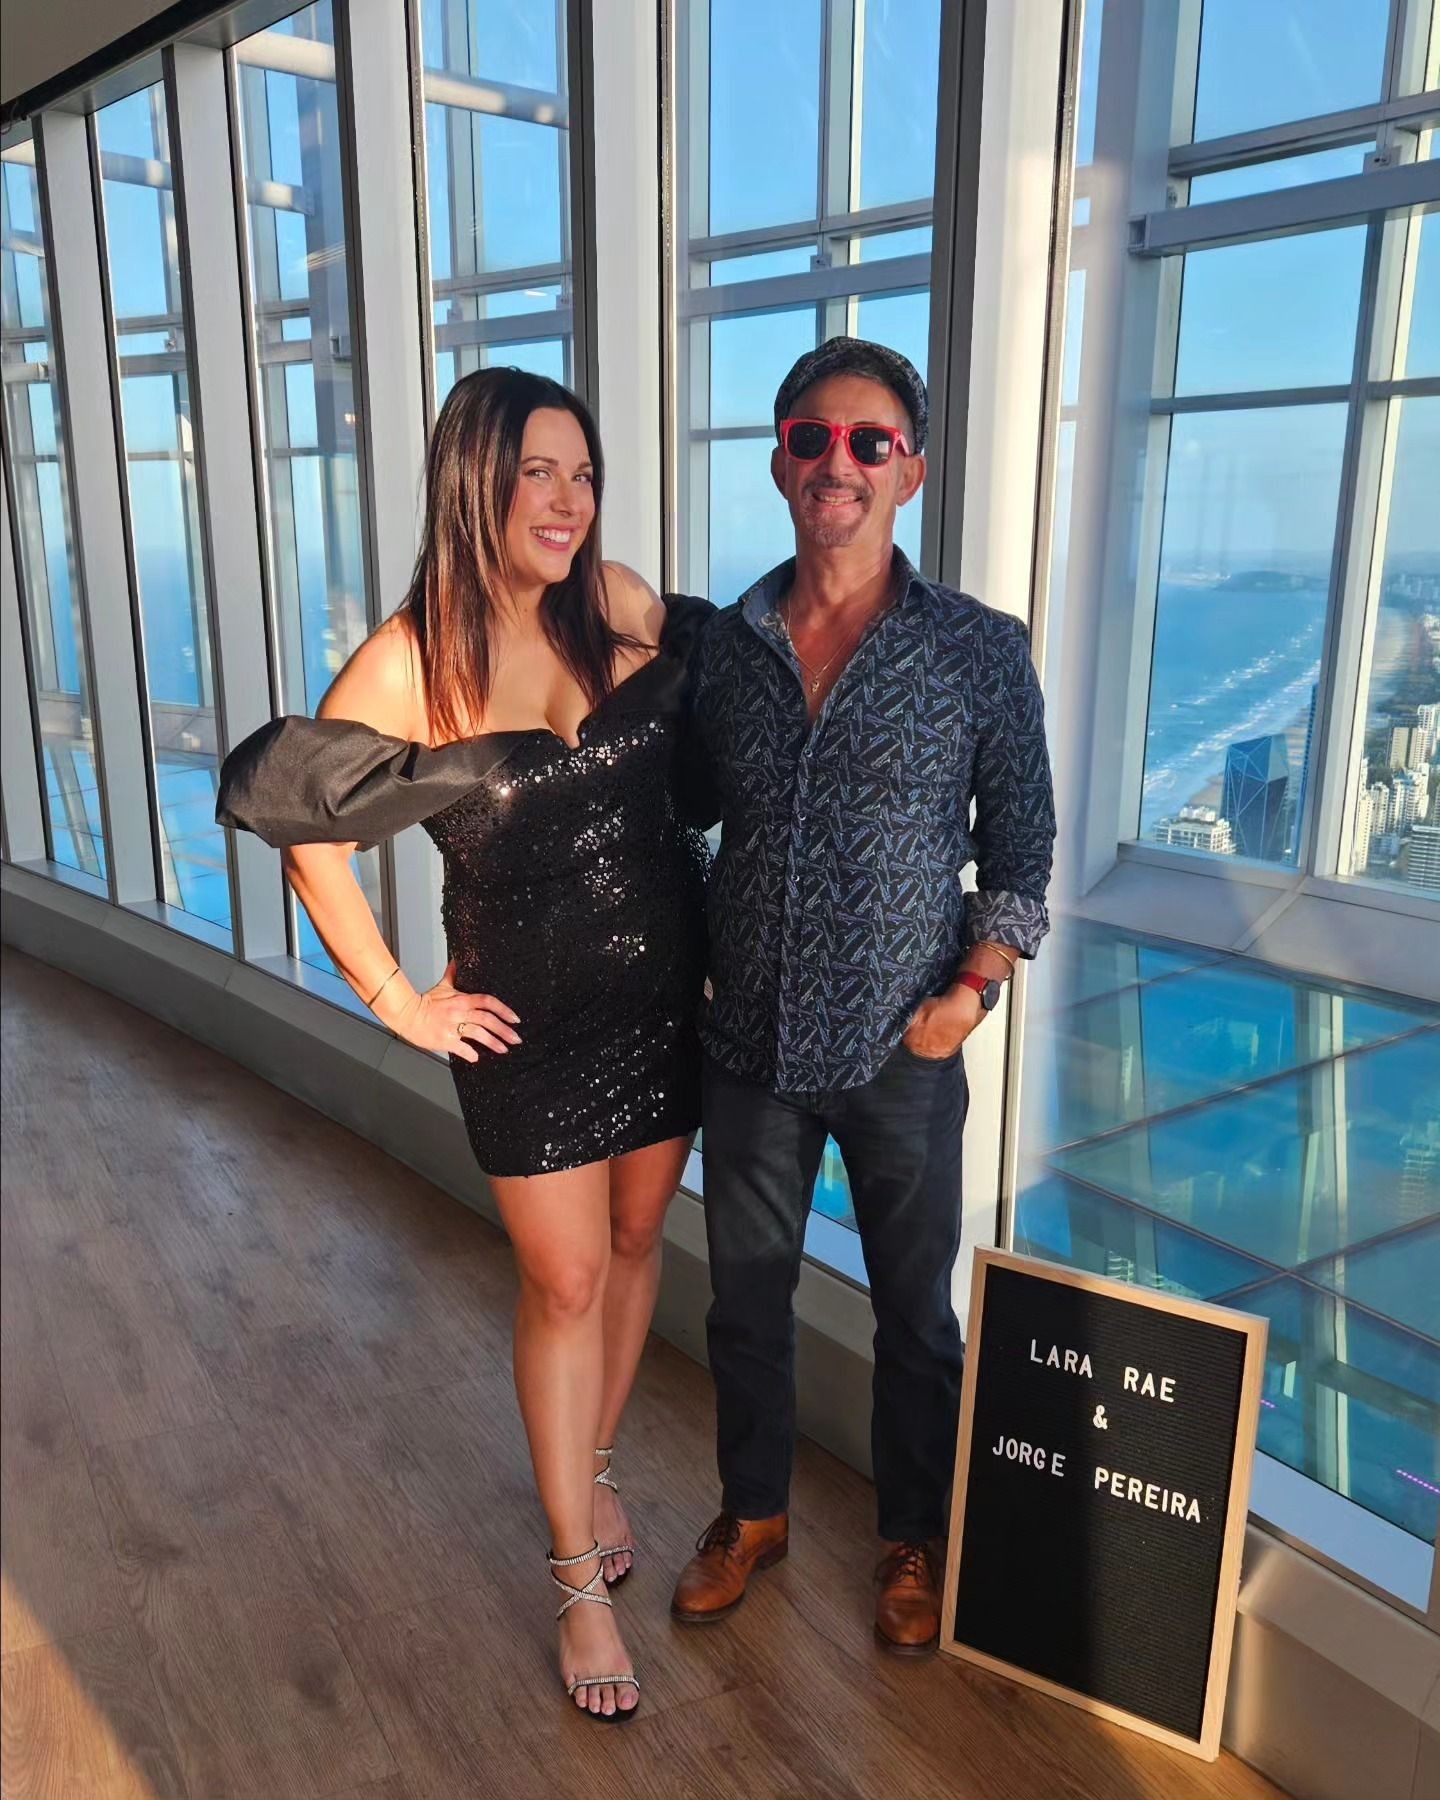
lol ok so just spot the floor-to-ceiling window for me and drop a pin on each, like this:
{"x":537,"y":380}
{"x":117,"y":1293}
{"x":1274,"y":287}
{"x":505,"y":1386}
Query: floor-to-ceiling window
{"x":44,"y":537}
{"x":142,"y":255}
{"x":498,"y":186}
{"x":291,"y":154}
{"x":818,"y":225}
{"x":1240,"y":631}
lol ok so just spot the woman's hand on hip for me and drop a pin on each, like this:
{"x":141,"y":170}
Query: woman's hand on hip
{"x":450,"y":1023}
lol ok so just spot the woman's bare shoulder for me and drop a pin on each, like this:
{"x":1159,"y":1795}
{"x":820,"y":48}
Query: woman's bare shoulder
{"x":633,"y":605}
{"x":383,"y":684}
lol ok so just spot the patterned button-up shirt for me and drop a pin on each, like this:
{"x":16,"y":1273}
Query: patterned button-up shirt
{"x":835,"y":904}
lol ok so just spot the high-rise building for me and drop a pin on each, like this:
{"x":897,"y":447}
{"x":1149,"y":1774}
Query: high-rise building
{"x":1380,"y":809}
{"x":1296,"y":812}
{"x":1197,"y":828}
{"x":1420,"y":858}
{"x":1412,"y":798}
{"x":1427,"y":718}
{"x":1257,"y":785}
{"x":1364,"y":830}
{"x":1420,"y":1171}
{"x":1409,"y":746}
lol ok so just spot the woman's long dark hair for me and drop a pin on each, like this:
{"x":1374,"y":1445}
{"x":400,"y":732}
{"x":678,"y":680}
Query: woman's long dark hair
{"x":471,"y":473}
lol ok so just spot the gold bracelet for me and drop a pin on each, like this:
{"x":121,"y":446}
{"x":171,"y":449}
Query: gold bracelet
{"x":1002,"y":950}
{"x":383,"y":985}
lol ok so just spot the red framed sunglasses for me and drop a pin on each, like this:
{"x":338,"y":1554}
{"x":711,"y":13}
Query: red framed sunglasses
{"x":808,"y":440}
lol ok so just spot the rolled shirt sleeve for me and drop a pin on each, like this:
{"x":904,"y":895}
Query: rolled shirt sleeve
{"x":1014,"y":829}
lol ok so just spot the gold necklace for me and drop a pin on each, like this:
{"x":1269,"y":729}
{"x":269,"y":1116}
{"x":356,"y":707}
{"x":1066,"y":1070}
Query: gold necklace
{"x":817,"y":675}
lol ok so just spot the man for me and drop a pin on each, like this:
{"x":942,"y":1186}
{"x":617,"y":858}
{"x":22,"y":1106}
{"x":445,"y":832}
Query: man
{"x":847,"y":711}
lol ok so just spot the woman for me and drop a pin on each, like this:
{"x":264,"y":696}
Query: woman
{"x":523,"y":703}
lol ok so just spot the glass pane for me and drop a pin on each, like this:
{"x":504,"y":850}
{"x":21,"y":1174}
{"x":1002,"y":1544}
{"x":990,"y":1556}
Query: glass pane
{"x":762,"y":265}
{"x":1333,"y":1173}
{"x":290,"y":137}
{"x":903,"y":322}
{"x":1351,"y":1400}
{"x":1266,"y":1142}
{"x":1401,"y":1276}
{"x":39,"y":495}
{"x":1276,"y":1171}
{"x":881,"y":245}
{"x":770,"y":176}
{"x":900,"y":67}
{"x":1420,"y":343}
{"x":497,"y":186}
{"x":1149,"y":1049}
{"x":141,"y":250}
{"x":750,"y":356}
{"x":1280,"y":172}
{"x":749,"y":532}
{"x":1395,"y":834}
{"x":1275,"y":314}
{"x":1287,"y":59}
{"x":1249,"y":528}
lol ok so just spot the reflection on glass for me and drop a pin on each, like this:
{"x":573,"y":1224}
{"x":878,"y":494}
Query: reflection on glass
{"x":1351,"y":1400}
{"x":40,"y":498}
{"x":1287,"y":59}
{"x":1395,"y":830}
{"x":1290,"y":1170}
{"x":142,"y":256}
{"x":498,"y":184}
{"x":300,"y":293}
{"x":1250,"y":508}
{"x":1401,"y":1276}
{"x":1266,"y":1142}
{"x":1277,"y":313}
{"x":1148,"y":1049}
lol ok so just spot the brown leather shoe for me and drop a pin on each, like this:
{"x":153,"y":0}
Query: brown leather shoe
{"x":713,"y":1582}
{"x":907,"y":1599}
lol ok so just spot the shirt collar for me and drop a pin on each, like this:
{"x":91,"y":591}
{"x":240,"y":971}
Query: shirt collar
{"x":761,"y":604}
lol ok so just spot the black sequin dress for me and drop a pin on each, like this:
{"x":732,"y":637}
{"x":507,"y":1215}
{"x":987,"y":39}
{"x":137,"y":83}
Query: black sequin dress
{"x":574,"y":892}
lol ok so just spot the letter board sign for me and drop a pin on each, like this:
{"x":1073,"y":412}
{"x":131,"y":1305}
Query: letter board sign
{"x":1102,"y":1481}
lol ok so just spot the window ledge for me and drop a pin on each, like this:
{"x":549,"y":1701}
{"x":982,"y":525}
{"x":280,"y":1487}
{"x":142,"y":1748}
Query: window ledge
{"x":1375,"y":896}
{"x":67,"y":877}
{"x":1313,"y":926}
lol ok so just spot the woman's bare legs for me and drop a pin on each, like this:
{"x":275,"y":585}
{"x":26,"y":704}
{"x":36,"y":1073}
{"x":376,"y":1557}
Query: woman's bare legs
{"x":560,"y":1226}
{"x":642,"y":1185}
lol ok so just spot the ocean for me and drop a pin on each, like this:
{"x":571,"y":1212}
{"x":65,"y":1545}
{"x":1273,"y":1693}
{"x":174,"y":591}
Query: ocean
{"x":1230,"y":663}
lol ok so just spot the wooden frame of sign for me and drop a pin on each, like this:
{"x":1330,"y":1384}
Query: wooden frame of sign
{"x":1206,"y":1742}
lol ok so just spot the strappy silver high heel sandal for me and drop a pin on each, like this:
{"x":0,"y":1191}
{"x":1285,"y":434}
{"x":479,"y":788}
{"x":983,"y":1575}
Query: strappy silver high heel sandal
{"x":606,"y":1479}
{"x":573,"y":1597}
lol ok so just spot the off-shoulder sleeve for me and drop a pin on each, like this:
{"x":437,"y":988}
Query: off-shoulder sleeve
{"x":686,"y":616}
{"x":696,"y":796}
{"x":335,"y":781}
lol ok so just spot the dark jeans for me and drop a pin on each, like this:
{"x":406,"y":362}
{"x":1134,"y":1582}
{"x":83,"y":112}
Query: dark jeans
{"x":900,"y":1137}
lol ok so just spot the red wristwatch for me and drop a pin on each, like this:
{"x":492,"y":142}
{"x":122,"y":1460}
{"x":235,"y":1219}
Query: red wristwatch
{"x":986,"y":987}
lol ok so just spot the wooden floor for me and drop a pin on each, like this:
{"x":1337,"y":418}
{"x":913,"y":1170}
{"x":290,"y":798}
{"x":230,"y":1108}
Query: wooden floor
{"x":268,"y":1524}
